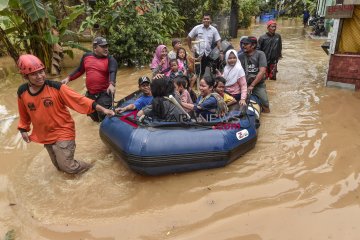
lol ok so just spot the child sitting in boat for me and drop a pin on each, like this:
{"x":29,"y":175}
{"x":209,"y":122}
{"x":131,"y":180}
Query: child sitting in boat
{"x":144,"y":100}
{"x":175,"y":72}
{"x":234,"y":75}
{"x":181,"y":86}
{"x":160,"y":62}
{"x":220,"y":89}
{"x":162,"y":108}
{"x":209,"y":105}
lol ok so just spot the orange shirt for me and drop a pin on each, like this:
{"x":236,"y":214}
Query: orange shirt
{"x":48,"y":113}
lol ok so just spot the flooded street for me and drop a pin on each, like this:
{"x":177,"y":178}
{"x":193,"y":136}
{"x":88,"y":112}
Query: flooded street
{"x":301,"y":181}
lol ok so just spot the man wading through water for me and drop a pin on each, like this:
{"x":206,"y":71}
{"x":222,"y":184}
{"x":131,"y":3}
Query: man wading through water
{"x":100,"y":69}
{"x":44,"y":105}
{"x":271,"y":44}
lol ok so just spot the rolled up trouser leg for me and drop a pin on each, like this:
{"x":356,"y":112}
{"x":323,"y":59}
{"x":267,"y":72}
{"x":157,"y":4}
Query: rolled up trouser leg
{"x":64,"y":153}
{"x":260,"y":91}
{"x":52,"y":155}
{"x":271,"y":71}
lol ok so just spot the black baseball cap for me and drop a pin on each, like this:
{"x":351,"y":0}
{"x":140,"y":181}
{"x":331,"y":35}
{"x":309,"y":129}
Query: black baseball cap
{"x":144,"y":79}
{"x":100,"y":41}
{"x":249,"y":39}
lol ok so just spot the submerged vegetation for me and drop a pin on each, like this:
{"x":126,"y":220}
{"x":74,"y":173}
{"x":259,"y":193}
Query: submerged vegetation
{"x":10,"y":235}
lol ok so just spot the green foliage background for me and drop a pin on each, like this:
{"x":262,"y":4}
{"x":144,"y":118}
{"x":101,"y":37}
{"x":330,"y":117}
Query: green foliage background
{"x":27,"y":26}
{"x":135,"y":28}
{"x":248,"y":8}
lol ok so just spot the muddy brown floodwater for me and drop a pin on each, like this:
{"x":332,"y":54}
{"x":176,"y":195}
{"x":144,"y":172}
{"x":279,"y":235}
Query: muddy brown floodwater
{"x":301,"y":181}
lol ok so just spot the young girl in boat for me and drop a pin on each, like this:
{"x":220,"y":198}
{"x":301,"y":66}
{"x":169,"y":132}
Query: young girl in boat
{"x":220,"y":89}
{"x":234,"y":75}
{"x":209,"y":105}
{"x":186,"y":63}
{"x":160,"y":62}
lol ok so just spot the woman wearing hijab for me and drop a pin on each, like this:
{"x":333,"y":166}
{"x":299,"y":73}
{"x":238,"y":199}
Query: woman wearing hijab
{"x":234,"y":75}
{"x":160,"y":63}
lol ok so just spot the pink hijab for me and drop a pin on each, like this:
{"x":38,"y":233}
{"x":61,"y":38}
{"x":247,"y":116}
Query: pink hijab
{"x":157,"y":59}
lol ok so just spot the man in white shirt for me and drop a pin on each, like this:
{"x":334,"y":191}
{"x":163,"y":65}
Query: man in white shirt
{"x":205,"y":34}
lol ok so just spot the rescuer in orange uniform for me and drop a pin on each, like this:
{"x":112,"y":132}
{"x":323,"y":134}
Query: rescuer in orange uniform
{"x":44,"y":105}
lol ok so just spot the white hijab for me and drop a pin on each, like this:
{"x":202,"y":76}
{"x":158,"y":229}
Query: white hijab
{"x":232,"y":73}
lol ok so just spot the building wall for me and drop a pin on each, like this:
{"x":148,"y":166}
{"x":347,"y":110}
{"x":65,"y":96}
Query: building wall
{"x":321,"y":6}
{"x":344,"y":65}
{"x":345,"y":68}
{"x":349,"y":2}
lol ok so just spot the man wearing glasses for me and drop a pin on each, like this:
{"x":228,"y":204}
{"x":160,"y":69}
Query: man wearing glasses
{"x":100,"y":69}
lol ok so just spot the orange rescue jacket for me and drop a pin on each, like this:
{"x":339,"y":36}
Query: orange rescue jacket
{"x":48,"y":113}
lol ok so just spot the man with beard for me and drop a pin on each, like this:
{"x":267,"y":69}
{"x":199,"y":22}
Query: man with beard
{"x":100,"y":69}
{"x":271,"y":44}
{"x":254,"y":64}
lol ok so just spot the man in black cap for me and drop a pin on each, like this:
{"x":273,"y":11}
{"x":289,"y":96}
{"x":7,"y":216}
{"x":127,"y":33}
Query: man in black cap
{"x":100,"y":69}
{"x":144,"y":100}
{"x":254,"y":64}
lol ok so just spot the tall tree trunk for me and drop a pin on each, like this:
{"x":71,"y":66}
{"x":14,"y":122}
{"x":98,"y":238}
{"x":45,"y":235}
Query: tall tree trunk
{"x":9,"y":47}
{"x":234,"y":18}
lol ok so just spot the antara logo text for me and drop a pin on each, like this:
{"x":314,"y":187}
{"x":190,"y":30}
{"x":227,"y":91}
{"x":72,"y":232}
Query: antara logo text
{"x":130,"y":119}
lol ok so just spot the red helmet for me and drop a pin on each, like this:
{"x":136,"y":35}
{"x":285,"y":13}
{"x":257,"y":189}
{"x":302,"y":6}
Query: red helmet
{"x":28,"y":63}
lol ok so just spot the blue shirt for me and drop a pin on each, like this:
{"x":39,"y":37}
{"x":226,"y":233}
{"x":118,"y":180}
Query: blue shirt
{"x":142,"y":101}
{"x":207,"y":107}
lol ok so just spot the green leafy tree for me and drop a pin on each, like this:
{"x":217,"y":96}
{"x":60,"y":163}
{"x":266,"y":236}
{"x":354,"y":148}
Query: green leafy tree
{"x":248,"y":8}
{"x":192,"y":10}
{"x":134,"y":28}
{"x":295,"y":8}
{"x":31,"y":26}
